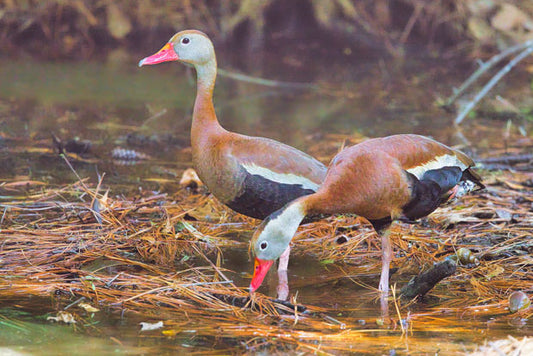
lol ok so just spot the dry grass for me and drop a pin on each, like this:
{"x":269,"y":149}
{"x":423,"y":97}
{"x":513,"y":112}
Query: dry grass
{"x":160,"y":257}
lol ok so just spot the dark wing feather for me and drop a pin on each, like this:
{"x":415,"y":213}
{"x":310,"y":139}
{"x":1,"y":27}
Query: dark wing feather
{"x":260,"y":196}
{"x":446,"y":178}
{"x":425,"y":197}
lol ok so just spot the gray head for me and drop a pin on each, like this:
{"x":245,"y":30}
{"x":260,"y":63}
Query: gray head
{"x":273,"y":237}
{"x":190,"y":46}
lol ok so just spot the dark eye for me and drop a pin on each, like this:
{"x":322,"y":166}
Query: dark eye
{"x":185,"y":40}
{"x":263,"y":245}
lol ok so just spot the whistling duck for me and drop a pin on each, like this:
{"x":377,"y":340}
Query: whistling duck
{"x":400,"y":177}
{"x":254,"y":176}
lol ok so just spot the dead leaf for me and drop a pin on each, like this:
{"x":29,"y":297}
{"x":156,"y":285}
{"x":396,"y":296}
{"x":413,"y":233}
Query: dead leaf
{"x":480,"y":30}
{"x":168,"y":228}
{"x":64,"y":317}
{"x":118,"y":24}
{"x":206,"y":212}
{"x":151,"y":326}
{"x":190,"y":179}
{"x":504,"y":214}
{"x":170,"y":332}
{"x":509,"y":18}
{"x":88,"y":308}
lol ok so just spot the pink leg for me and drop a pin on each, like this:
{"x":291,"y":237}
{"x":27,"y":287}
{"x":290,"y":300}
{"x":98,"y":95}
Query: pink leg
{"x":283,"y":285}
{"x":384,"y":280}
{"x":283,"y":281}
{"x":284,"y":259}
{"x":386,"y":257}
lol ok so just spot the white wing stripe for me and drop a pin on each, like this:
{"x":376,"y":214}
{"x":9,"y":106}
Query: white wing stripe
{"x":437,"y":163}
{"x":284,"y":178}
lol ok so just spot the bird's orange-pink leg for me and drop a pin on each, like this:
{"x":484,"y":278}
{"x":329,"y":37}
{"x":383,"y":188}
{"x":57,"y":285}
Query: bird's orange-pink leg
{"x":386,"y":257}
{"x":283,"y":282}
{"x":284,"y":259}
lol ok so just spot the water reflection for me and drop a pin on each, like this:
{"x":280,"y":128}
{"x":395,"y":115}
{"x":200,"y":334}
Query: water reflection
{"x":150,"y":110}
{"x":108,"y":104}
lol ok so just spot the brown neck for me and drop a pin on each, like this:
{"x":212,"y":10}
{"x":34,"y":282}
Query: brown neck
{"x":204,"y":119}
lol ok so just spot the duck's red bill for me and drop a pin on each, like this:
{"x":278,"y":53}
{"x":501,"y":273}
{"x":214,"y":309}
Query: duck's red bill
{"x":261,"y":268}
{"x":165,"y":54}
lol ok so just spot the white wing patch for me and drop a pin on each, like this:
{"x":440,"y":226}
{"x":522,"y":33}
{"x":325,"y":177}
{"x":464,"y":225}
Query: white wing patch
{"x":437,"y":163}
{"x":284,"y":178}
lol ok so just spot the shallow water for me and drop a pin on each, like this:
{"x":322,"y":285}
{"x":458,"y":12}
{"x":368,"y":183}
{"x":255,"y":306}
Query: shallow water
{"x":115,"y":104}
{"x":350,"y":309}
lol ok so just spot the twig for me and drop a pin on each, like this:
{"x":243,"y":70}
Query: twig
{"x":159,"y":289}
{"x":211,"y":263}
{"x":78,"y":301}
{"x":110,"y":282}
{"x":512,"y":159}
{"x":166,"y":289}
{"x":492,"y":83}
{"x":412,"y":20}
{"x":393,"y":289}
{"x":205,"y":283}
{"x":74,"y":171}
{"x":483,"y":68}
{"x":154,"y":117}
{"x":3,"y":216}
{"x":265,"y":82}
{"x":423,"y":283}
{"x":95,"y":204}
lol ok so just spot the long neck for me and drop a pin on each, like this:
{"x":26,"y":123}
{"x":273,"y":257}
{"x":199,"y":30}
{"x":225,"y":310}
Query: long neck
{"x":284,"y":223}
{"x":204,"y":119}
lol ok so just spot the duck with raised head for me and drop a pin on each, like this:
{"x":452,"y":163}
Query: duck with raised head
{"x":254,"y":176}
{"x":399,"y":177}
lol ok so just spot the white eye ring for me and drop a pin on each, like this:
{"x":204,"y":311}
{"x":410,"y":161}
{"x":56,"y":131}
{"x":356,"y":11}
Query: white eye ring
{"x":263,"y":245}
{"x":185,"y":40}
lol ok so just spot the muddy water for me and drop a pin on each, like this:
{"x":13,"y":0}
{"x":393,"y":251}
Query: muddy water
{"x":113,"y":104}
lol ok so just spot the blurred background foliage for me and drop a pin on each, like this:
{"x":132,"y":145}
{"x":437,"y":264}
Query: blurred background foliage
{"x":80,"y":28}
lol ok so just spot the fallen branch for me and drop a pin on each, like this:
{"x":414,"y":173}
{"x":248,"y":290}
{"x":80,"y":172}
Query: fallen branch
{"x":265,"y":82}
{"x":485,"y":67}
{"x":513,"y":159}
{"x":423,"y":283}
{"x":495,"y":79}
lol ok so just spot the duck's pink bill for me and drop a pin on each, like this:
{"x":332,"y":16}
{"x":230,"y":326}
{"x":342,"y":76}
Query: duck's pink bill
{"x":165,"y":54}
{"x":261,"y":268}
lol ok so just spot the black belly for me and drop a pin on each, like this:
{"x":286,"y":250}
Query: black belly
{"x":261,"y":197}
{"x":428,"y":193}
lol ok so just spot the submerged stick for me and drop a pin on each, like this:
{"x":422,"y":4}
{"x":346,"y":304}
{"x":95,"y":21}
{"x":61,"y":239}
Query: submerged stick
{"x":485,"y":67}
{"x":265,"y":82}
{"x":492,"y":83}
{"x":243,"y":302}
{"x":511,"y":159}
{"x":64,"y":156}
{"x":423,"y":283}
